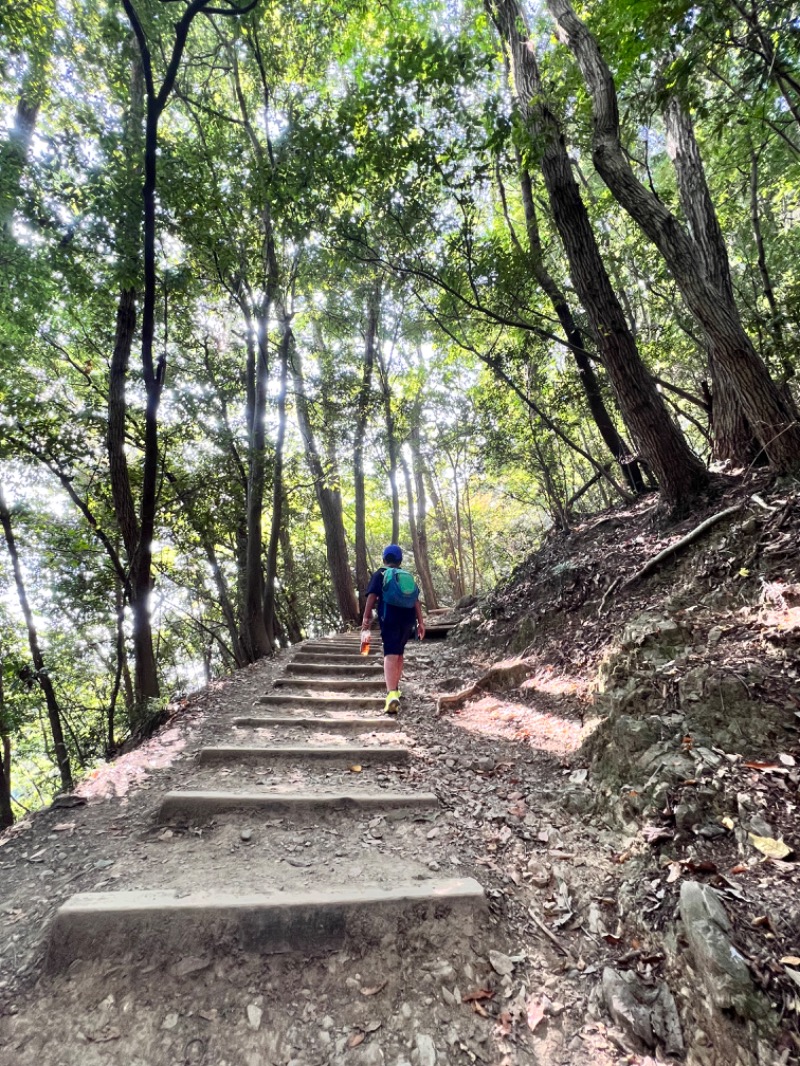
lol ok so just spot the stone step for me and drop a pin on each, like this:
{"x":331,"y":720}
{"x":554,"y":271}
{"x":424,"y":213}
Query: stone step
{"x":103,"y":925}
{"x":350,"y":651}
{"x":345,"y":724}
{"x":187,"y":805}
{"x":326,"y":668}
{"x":315,"y":655}
{"x":331,"y":684}
{"x":230,"y":754}
{"x":289,"y":699}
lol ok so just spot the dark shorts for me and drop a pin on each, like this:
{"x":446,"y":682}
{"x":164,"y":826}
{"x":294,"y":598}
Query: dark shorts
{"x":396,"y":633}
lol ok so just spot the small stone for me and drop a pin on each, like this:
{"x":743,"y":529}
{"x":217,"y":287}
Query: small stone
{"x":170,"y":1021}
{"x":191,"y":964}
{"x":501,"y":963}
{"x":426,"y":1049}
{"x":103,"y":864}
{"x":246,"y":834}
{"x":714,"y":635}
{"x":254,"y":1015}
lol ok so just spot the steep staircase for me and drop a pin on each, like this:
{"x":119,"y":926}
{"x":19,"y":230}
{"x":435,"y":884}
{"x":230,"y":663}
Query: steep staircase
{"x":322,"y":749}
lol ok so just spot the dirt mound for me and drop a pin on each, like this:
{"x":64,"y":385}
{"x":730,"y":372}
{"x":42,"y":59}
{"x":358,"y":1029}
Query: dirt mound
{"x":687,"y":676}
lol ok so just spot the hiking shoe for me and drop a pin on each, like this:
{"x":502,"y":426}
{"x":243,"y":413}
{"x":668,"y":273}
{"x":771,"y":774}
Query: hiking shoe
{"x":392,"y":703}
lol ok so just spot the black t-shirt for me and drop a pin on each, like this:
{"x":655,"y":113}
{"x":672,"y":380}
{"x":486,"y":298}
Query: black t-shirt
{"x":398,"y":616}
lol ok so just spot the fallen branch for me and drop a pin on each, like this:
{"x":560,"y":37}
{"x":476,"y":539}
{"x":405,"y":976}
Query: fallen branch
{"x":679,"y":545}
{"x":548,"y":933}
{"x":504,"y":675}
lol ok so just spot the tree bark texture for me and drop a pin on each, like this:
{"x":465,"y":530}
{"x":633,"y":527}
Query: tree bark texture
{"x":449,"y":545}
{"x":735,"y":357}
{"x":42,"y":676}
{"x":732,"y":438}
{"x":329,"y":500}
{"x":391,"y":446}
{"x":290,"y":614}
{"x":575,"y":341}
{"x":680,"y":474}
{"x":421,"y":552}
{"x":287,"y":340}
{"x":254,"y":631}
{"x":362,"y":415}
{"x":6,"y":809}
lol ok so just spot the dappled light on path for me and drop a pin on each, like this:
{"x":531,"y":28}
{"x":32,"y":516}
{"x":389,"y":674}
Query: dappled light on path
{"x":118,"y":777}
{"x":542,"y":730}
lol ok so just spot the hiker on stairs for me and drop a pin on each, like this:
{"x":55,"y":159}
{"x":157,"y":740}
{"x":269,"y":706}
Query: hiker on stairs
{"x":394,"y":592}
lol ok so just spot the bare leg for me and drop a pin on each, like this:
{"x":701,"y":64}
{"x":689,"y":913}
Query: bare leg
{"x":392,"y":671}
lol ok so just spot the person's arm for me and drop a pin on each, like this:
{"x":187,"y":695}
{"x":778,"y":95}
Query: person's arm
{"x":372,"y":599}
{"x":420,"y":621}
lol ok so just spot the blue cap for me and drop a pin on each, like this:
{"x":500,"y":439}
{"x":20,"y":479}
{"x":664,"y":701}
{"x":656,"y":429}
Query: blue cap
{"x":393,"y":552}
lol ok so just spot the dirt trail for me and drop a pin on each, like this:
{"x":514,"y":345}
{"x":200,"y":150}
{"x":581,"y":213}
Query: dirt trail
{"x":412,"y":894}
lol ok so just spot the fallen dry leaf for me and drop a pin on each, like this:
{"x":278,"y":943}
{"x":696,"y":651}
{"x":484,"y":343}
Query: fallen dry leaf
{"x":478,"y":993}
{"x":355,"y":769}
{"x":790,"y":960}
{"x":535,"y":1013}
{"x":773,"y":849}
{"x":355,"y":1038}
{"x":375,"y":989}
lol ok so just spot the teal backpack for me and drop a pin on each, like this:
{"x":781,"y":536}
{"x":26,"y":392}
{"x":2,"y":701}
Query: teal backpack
{"x":399,"y":589}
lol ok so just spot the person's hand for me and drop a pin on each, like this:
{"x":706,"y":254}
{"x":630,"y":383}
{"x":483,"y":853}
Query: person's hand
{"x":421,"y":630}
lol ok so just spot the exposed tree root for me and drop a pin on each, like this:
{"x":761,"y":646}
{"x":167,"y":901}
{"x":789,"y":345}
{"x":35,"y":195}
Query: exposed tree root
{"x":503,"y":675}
{"x":679,"y":545}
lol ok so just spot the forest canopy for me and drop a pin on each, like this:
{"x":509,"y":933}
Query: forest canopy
{"x":285,"y":281}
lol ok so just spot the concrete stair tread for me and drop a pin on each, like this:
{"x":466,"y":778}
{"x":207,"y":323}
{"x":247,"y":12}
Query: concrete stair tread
{"x":302,"y":752}
{"x":344,"y":723}
{"x":186,"y":802}
{"x":291,"y":699}
{"x":331,"y":684}
{"x":97,"y":924}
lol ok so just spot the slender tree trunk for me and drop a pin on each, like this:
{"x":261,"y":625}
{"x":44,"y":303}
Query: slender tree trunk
{"x":391,"y":447}
{"x":767,"y":411}
{"x":732,"y":438}
{"x":421,"y":553}
{"x":576,"y":343}
{"x":362,"y":415}
{"x":763,"y":270}
{"x":293,"y":628}
{"x":447,"y":537}
{"x":287,"y":340}
{"x":330,"y":504}
{"x":6,"y":809}
{"x":254,"y":631}
{"x":680,"y":474}
{"x":42,"y":676}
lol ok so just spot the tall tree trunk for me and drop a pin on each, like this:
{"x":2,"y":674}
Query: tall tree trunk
{"x":575,"y":341}
{"x":6,"y":809}
{"x":330,"y":504}
{"x":732,"y":437}
{"x":291,"y":616}
{"x":391,"y":446}
{"x":421,"y":553}
{"x":153,"y":373}
{"x":42,"y":676}
{"x":362,"y":415}
{"x":761,"y":255}
{"x":680,"y":474}
{"x":287,"y":340}
{"x":736,"y":360}
{"x":254,"y":631}
{"x":447,"y":537}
